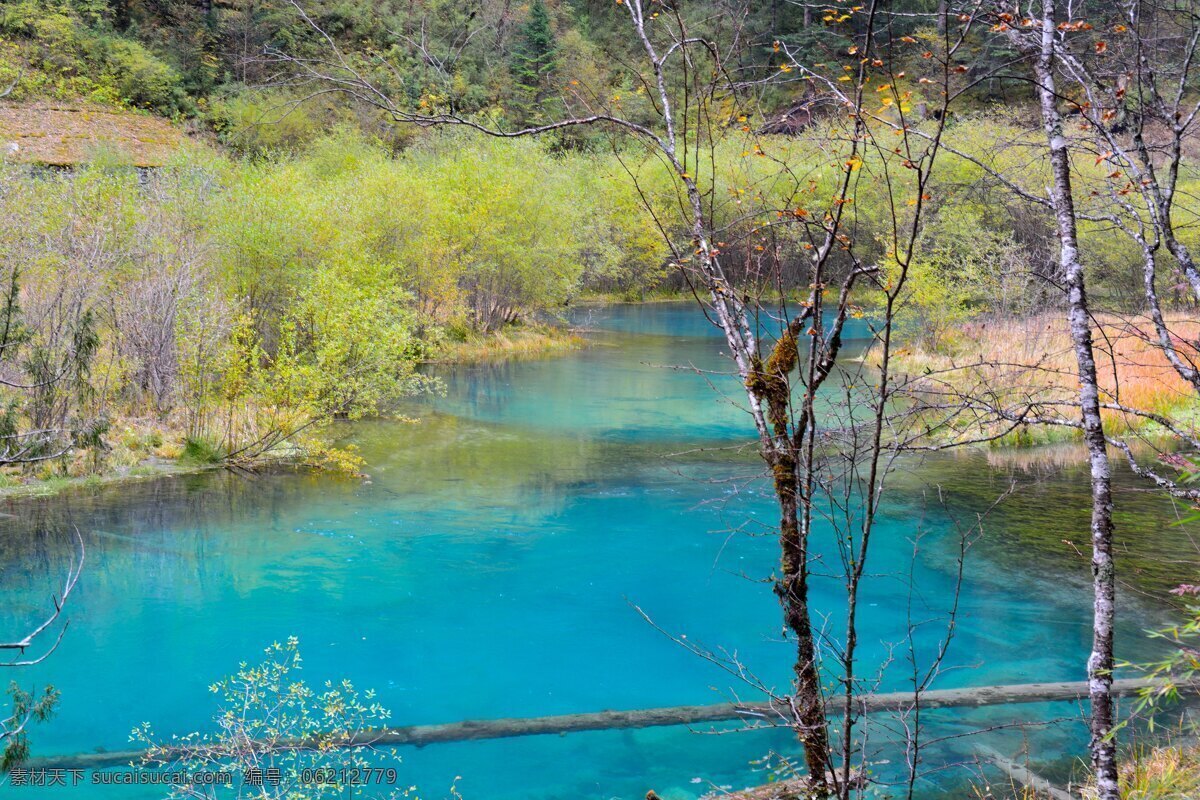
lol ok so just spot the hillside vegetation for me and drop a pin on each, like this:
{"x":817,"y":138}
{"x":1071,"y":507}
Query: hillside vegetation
{"x":299,"y":257}
{"x":212,"y":61}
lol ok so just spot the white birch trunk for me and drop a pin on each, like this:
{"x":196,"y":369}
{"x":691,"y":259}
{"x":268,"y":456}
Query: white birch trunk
{"x":1100,"y":663}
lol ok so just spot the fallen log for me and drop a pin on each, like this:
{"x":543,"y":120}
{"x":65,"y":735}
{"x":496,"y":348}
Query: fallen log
{"x":762,"y":713}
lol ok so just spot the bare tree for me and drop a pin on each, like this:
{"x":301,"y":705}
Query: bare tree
{"x":47,"y":331}
{"x":163,"y":283}
{"x":1132,"y":79}
{"x":28,"y":707}
{"x":1135,"y":119}
{"x":1121,"y":122}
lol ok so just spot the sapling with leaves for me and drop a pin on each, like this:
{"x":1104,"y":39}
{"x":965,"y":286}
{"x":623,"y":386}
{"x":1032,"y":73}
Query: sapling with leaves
{"x":280,"y":738}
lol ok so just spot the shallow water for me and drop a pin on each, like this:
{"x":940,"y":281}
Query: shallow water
{"x":491,"y":567}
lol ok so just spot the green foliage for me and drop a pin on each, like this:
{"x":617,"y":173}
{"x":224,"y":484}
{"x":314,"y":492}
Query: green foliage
{"x":497,"y":229}
{"x":196,"y":58}
{"x":27,"y":708}
{"x":252,"y":301}
{"x":70,"y":51}
{"x":245,"y":304}
{"x":512,"y":63}
{"x":254,"y":123}
{"x":201,"y":451}
{"x":964,"y":267}
{"x":478,"y":232}
{"x":140,"y":79}
{"x":347,"y":344}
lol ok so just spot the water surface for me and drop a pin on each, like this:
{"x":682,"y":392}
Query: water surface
{"x":491,"y":565}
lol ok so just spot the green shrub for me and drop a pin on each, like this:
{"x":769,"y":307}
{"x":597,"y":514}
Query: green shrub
{"x":67,"y":51}
{"x":143,"y":80}
{"x":197,"y":450}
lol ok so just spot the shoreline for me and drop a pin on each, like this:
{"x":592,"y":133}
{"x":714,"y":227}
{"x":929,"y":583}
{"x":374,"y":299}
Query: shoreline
{"x":524,"y":343}
{"x":151,"y":470}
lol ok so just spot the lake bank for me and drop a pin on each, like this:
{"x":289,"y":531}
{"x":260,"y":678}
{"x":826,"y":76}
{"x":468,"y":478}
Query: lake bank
{"x":137,"y":449}
{"x":1010,"y":368}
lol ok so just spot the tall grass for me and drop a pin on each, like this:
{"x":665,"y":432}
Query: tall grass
{"x":1031,"y":360}
{"x":1163,"y":773}
{"x":512,"y":343}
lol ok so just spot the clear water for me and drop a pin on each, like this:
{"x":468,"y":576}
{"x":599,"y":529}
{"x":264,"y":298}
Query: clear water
{"x":490,"y":566}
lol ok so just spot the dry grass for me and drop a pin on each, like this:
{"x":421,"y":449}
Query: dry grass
{"x":502,"y":346}
{"x":65,"y":135}
{"x":1031,"y":360}
{"x":1168,"y":772}
{"x":1162,"y":773}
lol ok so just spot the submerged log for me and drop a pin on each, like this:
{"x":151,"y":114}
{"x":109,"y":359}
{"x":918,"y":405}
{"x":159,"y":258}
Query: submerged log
{"x":1023,"y":776}
{"x":751,"y":713}
{"x":788,"y":789}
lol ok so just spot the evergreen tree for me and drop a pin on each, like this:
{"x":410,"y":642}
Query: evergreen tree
{"x":534,"y":55}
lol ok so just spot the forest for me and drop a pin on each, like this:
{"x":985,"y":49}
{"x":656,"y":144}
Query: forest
{"x":899,"y":295}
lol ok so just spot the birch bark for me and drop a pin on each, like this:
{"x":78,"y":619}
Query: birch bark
{"x":1100,"y":663}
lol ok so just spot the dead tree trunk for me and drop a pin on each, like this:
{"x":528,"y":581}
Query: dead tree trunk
{"x":753,"y":714}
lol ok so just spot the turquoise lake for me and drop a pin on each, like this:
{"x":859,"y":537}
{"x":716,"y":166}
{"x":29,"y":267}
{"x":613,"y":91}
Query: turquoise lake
{"x":491,"y":565}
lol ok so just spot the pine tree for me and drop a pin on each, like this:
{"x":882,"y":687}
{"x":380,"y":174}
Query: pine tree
{"x":534,"y":56}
